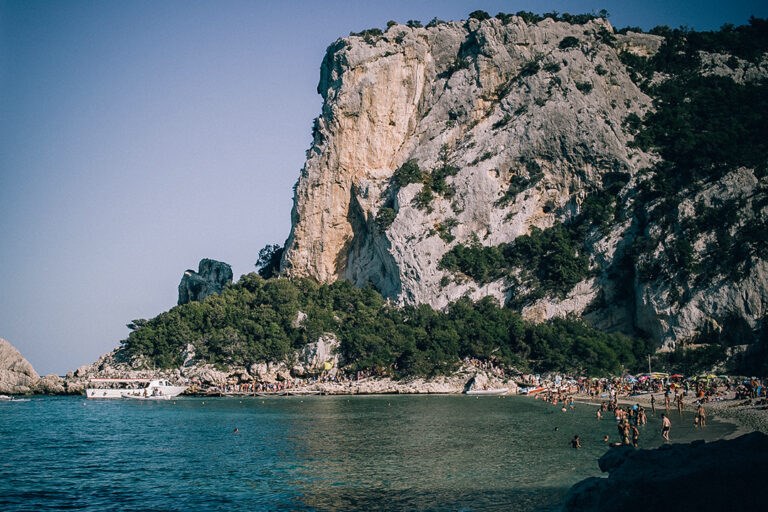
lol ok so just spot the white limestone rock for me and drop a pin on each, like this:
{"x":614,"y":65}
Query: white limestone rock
{"x":456,"y":94}
{"x":16,"y":374}
{"x":321,"y":354}
{"x":500,"y":102}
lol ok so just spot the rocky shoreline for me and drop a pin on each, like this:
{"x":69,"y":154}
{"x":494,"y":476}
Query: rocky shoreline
{"x":721,"y":475}
{"x":19,"y":378}
{"x":304,"y":377}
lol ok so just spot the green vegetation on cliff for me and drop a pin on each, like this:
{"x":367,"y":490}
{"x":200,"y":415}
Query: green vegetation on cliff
{"x":256,"y":320}
{"x":545,"y":262}
{"x":704,"y":126}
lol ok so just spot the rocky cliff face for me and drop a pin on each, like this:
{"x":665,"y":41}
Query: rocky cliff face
{"x":16,"y":374}
{"x":510,"y":126}
{"x":497,"y":101}
{"x":211,"y":277}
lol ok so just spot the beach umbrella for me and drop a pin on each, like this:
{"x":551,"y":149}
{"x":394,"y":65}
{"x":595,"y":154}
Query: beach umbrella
{"x":675,"y":376}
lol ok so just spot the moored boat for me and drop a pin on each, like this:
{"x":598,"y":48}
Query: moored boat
{"x":492,"y":391}
{"x":6,"y":398}
{"x":156,"y":389}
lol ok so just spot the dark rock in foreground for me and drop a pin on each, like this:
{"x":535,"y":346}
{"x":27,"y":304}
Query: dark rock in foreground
{"x":211,"y":277}
{"x":722,"y":475}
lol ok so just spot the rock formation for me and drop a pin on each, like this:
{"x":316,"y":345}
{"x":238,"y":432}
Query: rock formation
{"x":511,"y":125}
{"x":722,"y":475}
{"x":211,"y":277}
{"x":461,"y":95}
{"x":16,"y":374}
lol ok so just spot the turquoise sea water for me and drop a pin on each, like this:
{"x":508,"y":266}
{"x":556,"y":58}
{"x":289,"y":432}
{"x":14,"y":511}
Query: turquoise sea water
{"x":302,"y":453}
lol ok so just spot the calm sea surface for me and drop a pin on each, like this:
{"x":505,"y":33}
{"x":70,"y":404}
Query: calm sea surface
{"x":302,"y":453}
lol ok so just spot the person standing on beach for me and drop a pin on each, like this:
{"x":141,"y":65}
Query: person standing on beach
{"x":665,"y":426}
{"x":653,"y":404}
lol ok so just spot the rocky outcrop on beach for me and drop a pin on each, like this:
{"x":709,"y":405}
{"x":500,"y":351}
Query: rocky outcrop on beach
{"x":211,"y":277}
{"x":465,"y":378}
{"x":313,"y":370}
{"x":53,"y":385}
{"x":16,"y":374}
{"x":721,"y":475}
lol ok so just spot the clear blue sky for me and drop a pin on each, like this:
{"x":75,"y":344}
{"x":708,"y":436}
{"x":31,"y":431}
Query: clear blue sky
{"x":138,"y":137}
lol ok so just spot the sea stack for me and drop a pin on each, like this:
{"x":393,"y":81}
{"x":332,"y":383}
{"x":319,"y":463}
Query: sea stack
{"x":211,"y":277}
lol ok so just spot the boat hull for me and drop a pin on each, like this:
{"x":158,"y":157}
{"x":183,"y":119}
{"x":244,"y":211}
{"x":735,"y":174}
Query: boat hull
{"x":104,"y":393}
{"x":140,"y":397}
{"x":486,"y":392}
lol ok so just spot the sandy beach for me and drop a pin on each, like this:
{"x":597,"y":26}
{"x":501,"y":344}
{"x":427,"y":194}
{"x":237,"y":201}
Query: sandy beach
{"x":748,"y":415}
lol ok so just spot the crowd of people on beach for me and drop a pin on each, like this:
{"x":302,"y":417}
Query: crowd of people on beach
{"x":656,"y":392}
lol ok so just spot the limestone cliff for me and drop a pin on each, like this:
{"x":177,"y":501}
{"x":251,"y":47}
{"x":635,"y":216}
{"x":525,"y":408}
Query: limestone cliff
{"x":461,"y":94}
{"x":16,"y":374}
{"x":511,"y":126}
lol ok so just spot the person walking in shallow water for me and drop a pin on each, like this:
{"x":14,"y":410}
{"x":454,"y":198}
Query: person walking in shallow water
{"x":576,"y":442}
{"x":665,"y":426}
{"x":701,"y":416}
{"x":653,"y":404}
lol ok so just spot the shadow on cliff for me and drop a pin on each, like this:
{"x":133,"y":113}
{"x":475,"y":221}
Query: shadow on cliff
{"x":366,"y":257}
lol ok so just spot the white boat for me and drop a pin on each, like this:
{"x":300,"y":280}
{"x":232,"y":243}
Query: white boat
{"x":156,"y":389}
{"x":492,"y":391}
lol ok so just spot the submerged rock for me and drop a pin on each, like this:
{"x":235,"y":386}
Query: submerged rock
{"x":16,"y":374}
{"x":722,"y":475}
